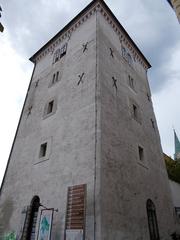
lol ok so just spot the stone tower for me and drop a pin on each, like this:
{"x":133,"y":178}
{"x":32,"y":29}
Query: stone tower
{"x":87,"y":149}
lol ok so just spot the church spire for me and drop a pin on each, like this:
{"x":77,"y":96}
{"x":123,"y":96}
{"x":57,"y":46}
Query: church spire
{"x":177,"y":146}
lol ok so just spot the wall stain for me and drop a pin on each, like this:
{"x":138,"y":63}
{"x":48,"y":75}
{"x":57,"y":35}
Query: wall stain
{"x":6,"y":210}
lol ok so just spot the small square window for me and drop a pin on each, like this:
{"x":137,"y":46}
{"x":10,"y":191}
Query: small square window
{"x":141,"y":153}
{"x":50,"y":107}
{"x":43,"y":149}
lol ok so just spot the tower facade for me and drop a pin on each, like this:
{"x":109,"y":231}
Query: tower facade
{"x":86,"y":162}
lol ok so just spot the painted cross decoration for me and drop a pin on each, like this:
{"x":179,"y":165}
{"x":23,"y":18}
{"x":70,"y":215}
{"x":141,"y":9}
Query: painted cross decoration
{"x":114,"y":82}
{"x":29,"y":110}
{"x":111,"y":52}
{"x":36,"y":83}
{"x":85,"y":47}
{"x":80,"y":79}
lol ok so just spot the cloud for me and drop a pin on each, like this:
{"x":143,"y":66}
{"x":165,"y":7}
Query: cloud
{"x":154,"y":27}
{"x":166,"y":103}
{"x":32,"y":23}
{"x":15,"y":74}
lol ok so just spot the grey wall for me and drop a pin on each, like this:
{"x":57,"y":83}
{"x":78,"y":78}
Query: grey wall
{"x":126,"y":181}
{"x":70,"y":133}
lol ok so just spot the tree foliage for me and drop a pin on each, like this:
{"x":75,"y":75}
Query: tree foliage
{"x":173,"y":169}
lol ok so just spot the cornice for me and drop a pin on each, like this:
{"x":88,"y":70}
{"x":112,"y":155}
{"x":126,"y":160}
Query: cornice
{"x":81,"y":18}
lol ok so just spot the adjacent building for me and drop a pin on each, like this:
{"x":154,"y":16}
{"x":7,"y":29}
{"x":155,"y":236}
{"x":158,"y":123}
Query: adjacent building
{"x":175,"y":4}
{"x":86,"y":161}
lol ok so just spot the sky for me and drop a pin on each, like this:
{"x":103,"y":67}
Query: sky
{"x":30,"y":24}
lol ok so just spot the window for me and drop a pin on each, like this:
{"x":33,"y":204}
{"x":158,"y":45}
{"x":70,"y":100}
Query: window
{"x":131,"y":82}
{"x":141,"y":153}
{"x":43,"y":150}
{"x":63,"y":50}
{"x":153,"y":124}
{"x":55,"y":79}
{"x":152,"y":220}
{"x":59,"y":53}
{"x":56,"y":56}
{"x":50,"y":107}
{"x":57,"y":76}
{"x":177,"y":212}
{"x":135,"y":112}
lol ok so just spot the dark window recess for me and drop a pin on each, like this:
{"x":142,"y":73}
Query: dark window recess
{"x":152,"y":220}
{"x":50,"y":107}
{"x":153,"y":124}
{"x":131,"y":82}
{"x":141,"y":153}
{"x":135,"y":111}
{"x":53,"y":79}
{"x":43,"y":149}
{"x":59,"y":53}
{"x":57,"y":76}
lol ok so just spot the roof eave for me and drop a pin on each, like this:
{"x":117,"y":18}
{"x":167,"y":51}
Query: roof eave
{"x":32,"y":59}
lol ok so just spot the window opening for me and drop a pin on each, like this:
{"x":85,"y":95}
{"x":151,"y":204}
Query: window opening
{"x":50,"y":107}
{"x":152,"y":220}
{"x":141,"y":153}
{"x":153,"y":124}
{"x":57,"y":76}
{"x":135,"y":114}
{"x":43,"y":149}
{"x":131,"y":82}
{"x":53,"y":80}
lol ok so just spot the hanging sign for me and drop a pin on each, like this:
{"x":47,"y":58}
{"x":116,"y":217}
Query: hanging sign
{"x":45,"y":224}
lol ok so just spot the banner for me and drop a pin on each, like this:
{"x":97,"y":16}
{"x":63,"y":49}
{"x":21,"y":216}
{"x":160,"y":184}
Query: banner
{"x":45,"y":224}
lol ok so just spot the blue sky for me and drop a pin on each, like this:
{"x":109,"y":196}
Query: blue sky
{"x":30,"y":24}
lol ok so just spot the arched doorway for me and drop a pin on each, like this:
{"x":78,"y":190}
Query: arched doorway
{"x":33,"y":214}
{"x":152,"y":220}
